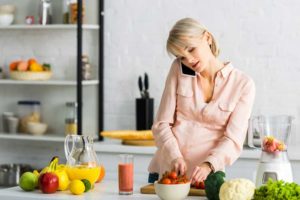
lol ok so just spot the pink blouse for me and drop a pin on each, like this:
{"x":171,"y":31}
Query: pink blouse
{"x":186,"y":126}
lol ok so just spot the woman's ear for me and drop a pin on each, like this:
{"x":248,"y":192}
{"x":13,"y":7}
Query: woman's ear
{"x":208,"y":37}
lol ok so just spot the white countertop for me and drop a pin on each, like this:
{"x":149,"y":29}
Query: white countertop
{"x":115,"y":146}
{"x":107,"y":190}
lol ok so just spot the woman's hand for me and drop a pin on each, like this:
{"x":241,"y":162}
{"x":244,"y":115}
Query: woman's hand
{"x":200,"y":172}
{"x":179,"y":166}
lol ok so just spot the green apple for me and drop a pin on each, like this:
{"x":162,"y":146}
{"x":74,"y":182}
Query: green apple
{"x":28,"y":181}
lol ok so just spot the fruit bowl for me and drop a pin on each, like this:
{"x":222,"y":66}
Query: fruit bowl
{"x":172,"y":191}
{"x":33,"y":76}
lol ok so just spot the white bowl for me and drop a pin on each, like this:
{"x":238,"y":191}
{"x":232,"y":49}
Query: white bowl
{"x":7,"y":9}
{"x":6,"y":19}
{"x":36,"y":128}
{"x":172,"y":191}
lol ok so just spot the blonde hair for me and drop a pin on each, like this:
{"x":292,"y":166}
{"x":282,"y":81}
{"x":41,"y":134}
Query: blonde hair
{"x":188,"y":28}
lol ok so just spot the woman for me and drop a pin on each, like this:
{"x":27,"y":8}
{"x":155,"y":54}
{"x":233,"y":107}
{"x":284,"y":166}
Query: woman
{"x":203,"y":116}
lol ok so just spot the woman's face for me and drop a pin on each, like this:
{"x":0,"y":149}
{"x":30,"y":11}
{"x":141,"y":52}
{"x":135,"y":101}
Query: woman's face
{"x":197,"y":57}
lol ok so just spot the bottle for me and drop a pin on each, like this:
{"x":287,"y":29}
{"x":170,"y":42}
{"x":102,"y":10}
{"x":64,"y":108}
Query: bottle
{"x":71,"y":118}
{"x":45,"y":12}
{"x":86,"y":68}
{"x":66,"y":4}
{"x":73,"y":9}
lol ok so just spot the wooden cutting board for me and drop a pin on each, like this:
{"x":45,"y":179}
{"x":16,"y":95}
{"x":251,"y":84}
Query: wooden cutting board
{"x":139,"y":142}
{"x":149,"y":189}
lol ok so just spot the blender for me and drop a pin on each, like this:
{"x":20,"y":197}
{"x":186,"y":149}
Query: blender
{"x":274,"y":162}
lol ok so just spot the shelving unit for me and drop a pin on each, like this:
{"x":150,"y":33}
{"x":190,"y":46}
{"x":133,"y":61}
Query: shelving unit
{"x":74,"y":85}
{"x":45,"y":27}
{"x":47,"y":138}
{"x":48,"y":82}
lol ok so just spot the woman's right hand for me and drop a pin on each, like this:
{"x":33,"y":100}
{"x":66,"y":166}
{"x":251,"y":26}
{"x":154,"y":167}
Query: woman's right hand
{"x":179,"y":166}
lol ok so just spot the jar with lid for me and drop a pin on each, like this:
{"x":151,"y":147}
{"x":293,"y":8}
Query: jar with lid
{"x":73,"y":9}
{"x":28,"y":111}
{"x":71,"y":118}
{"x":65,"y":6}
{"x":86,"y":68}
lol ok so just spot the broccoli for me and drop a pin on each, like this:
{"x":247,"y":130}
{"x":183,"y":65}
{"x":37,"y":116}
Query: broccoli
{"x":213,"y":184}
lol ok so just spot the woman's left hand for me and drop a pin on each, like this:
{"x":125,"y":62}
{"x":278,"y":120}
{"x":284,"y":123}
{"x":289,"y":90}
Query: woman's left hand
{"x":200,"y":172}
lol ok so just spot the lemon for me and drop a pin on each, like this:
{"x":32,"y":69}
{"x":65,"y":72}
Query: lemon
{"x":87,"y":184}
{"x":77,"y":187}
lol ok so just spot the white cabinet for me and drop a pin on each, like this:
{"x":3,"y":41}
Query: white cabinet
{"x":57,"y":45}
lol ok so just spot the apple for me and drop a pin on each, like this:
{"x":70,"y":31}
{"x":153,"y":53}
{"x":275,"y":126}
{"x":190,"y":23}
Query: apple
{"x":48,"y":182}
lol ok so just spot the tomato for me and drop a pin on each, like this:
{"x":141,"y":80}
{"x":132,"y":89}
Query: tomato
{"x":196,"y":185}
{"x":173,"y":175}
{"x":202,"y":185}
{"x":166,"y":181}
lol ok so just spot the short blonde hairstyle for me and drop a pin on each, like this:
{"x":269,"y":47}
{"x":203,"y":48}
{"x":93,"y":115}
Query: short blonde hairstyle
{"x":188,"y":28}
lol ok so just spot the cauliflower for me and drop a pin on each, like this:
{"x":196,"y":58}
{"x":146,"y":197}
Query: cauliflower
{"x":237,"y":189}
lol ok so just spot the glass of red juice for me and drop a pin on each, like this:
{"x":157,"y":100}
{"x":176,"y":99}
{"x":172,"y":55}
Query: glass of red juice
{"x":125,"y":172}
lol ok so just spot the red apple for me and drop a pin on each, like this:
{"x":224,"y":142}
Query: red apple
{"x":48,"y":182}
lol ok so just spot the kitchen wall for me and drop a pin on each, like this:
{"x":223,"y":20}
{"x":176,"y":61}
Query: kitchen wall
{"x":259,"y":37}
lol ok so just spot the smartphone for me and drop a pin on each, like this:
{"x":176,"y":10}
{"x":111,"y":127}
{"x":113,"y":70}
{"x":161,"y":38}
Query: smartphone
{"x":186,"y":70}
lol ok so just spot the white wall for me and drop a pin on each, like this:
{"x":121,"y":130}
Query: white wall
{"x":259,"y":37}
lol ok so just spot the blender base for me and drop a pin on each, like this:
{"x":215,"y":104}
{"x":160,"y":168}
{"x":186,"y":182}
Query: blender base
{"x":275,"y":171}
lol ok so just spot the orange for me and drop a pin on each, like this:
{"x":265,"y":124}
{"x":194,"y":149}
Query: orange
{"x":102,"y":174}
{"x":31,"y":61}
{"x":13,"y":65}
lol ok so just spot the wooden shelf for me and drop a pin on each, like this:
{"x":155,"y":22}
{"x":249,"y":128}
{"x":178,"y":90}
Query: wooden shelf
{"x":52,"y":138}
{"x":47,"y":82}
{"x":47,"y":27}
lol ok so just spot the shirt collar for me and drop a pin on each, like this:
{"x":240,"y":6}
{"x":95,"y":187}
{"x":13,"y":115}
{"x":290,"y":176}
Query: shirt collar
{"x":225,"y":71}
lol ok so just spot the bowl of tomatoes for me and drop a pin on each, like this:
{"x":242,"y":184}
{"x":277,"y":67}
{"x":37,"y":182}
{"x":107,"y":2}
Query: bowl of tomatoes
{"x":172,"y":186}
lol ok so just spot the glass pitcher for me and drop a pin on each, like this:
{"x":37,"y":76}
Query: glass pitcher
{"x":82,"y":162}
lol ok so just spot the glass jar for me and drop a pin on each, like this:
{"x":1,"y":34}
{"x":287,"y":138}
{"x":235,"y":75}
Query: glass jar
{"x":65,"y":6}
{"x":28,"y":111}
{"x":71,"y":118}
{"x":86,"y":68}
{"x":73,"y":9}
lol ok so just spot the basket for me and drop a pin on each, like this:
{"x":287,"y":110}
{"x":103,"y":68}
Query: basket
{"x":32,"y":76}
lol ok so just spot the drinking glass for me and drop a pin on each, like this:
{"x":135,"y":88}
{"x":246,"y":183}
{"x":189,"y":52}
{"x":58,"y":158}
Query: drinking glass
{"x":125,"y":172}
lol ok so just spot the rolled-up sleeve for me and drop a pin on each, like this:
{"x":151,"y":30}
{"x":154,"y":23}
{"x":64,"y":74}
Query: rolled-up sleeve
{"x":230,"y":145}
{"x":165,"y":118}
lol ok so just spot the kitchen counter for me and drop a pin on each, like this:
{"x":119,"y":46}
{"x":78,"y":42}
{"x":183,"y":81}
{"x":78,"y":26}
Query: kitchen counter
{"x":107,"y":190}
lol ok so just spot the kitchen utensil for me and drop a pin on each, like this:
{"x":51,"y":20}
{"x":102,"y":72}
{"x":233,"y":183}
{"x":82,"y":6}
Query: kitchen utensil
{"x":30,"y":76}
{"x":10,"y":173}
{"x":149,"y":189}
{"x":6,"y":19}
{"x":7,"y":9}
{"x":5,"y":117}
{"x":45,"y":12}
{"x":36,"y":128}
{"x":274,"y":162}
{"x":82,"y":162}
{"x":172,"y":191}
{"x":12,"y":123}
{"x":144,"y":89}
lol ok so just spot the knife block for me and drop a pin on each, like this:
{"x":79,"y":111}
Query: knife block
{"x":144,"y":113}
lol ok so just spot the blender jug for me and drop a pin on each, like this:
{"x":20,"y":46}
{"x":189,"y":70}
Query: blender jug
{"x":274,"y":162}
